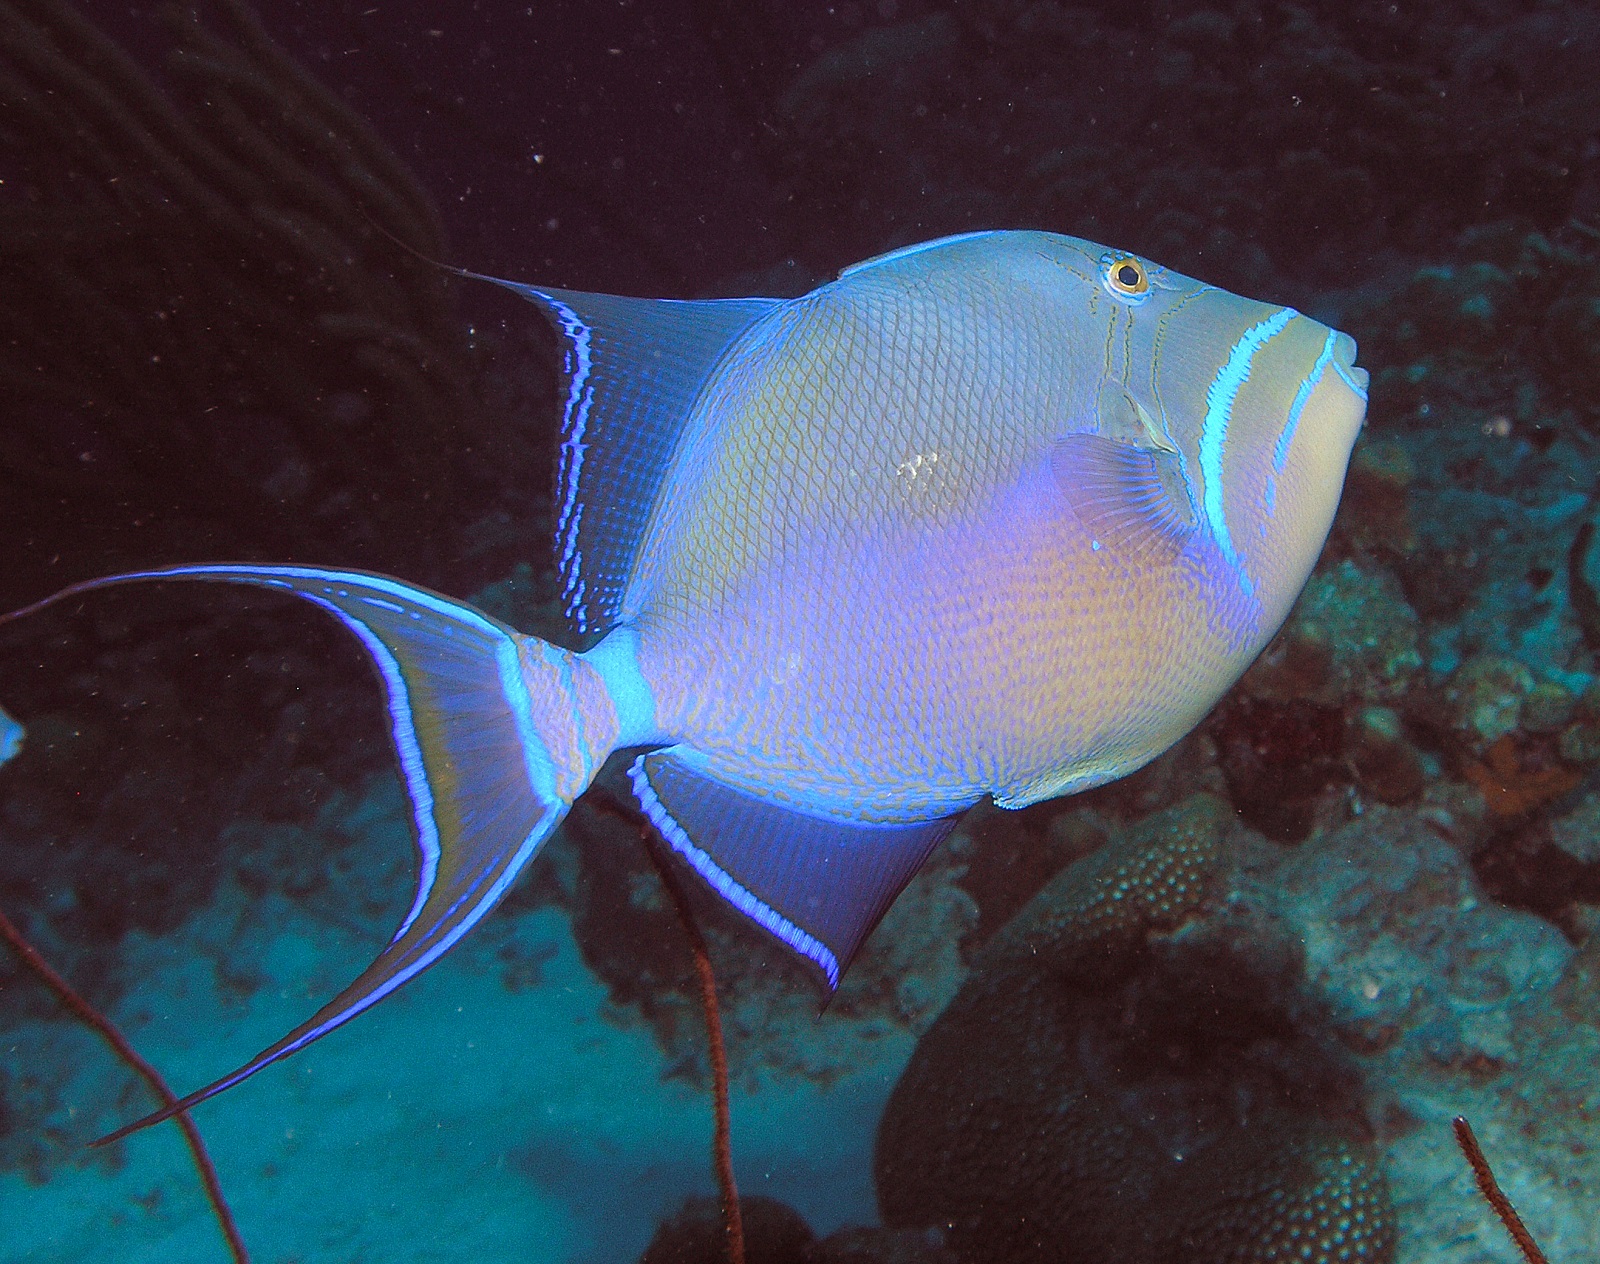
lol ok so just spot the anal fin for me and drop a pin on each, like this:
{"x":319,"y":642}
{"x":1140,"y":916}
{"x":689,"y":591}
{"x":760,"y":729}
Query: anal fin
{"x":820,"y":884}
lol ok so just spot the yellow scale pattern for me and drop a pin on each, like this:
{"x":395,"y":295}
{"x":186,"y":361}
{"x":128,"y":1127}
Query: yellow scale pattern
{"x":863,"y":591}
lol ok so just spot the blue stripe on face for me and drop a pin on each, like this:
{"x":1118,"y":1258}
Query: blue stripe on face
{"x":1220,"y":397}
{"x":724,"y":884}
{"x":1280,"y":450}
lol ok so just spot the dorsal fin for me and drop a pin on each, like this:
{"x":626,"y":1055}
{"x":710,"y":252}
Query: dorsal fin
{"x":632,"y":369}
{"x":915,"y":248}
{"x":820,"y":884}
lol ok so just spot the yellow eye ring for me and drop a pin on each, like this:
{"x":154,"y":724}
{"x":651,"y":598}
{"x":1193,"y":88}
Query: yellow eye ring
{"x":1125,"y":276}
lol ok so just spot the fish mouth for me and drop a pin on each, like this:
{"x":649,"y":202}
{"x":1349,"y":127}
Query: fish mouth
{"x":1344,"y":364}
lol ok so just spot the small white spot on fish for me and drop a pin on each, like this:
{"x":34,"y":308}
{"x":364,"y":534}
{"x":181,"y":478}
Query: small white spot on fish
{"x":786,"y":668}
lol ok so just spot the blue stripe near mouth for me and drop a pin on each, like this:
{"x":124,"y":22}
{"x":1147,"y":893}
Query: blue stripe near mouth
{"x":1220,"y":397}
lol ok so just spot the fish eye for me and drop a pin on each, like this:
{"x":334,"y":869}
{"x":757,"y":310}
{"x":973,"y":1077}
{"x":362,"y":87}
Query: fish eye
{"x":1125,"y":277}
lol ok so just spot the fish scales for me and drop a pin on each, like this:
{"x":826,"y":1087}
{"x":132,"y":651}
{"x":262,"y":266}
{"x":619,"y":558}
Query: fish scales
{"x":801,"y":490}
{"x":998,"y":515}
{"x":915,"y":590}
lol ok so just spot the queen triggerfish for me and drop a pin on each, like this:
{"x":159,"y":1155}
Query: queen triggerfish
{"x":997,"y":515}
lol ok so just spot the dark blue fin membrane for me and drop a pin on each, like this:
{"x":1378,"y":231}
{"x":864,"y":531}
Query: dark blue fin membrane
{"x":819,"y":884}
{"x":633,"y":369}
{"x":479,"y":780}
{"x":1133,"y":500}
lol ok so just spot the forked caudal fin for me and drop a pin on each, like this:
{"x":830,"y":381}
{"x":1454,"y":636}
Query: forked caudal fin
{"x":496,"y":735}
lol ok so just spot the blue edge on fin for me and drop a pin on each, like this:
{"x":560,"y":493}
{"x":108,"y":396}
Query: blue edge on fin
{"x":481,"y":788}
{"x":479,"y":780}
{"x":820,"y":884}
{"x":633,"y":368}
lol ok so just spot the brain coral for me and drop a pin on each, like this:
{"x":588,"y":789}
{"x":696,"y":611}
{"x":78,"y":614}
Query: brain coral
{"x":1132,"y":1074}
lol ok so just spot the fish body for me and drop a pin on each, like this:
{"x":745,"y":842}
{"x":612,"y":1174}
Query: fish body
{"x":997,"y":515}
{"x":865,"y":588}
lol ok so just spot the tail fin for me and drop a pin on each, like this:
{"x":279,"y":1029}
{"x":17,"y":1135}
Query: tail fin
{"x":475,"y":710}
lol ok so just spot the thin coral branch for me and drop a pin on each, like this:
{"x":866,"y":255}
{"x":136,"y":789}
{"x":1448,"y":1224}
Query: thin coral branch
{"x":1490,"y":1189}
{"x":722,"y":1141}
{"x":102,"y":1025}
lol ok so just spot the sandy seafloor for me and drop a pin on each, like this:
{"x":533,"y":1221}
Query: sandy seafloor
{"x":457,"y":1121}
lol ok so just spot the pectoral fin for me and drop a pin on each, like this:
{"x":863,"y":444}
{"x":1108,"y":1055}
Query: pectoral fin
{"x":1132,"y":498}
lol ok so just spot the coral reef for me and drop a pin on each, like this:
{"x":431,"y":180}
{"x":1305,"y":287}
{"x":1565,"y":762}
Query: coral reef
{"x":1451,"y":1004}
{"x":1504,"y":329}
{"x":1141,"y":1041}
{"x":1442,"y":641}
{"x":780,"y":1236}
{"x":776,"y":1234}
{"x":1149,"y":1087}
{"x":1490,"y":452}
{"x":1512,"y":784}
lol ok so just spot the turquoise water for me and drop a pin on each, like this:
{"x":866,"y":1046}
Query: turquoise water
{"x":462,"y":1121}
